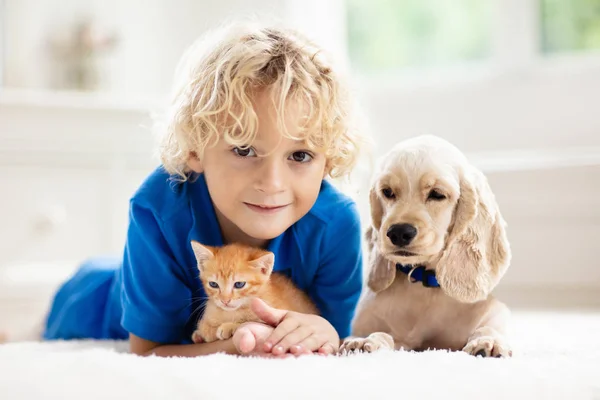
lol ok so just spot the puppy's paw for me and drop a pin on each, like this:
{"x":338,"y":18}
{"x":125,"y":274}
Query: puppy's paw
{"x":374,"y":342}
{"x":488,"y":346}
{"x":226,"y":330}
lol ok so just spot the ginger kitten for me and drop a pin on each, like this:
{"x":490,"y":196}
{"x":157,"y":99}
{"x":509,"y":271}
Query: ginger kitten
{"x":234,"y":274}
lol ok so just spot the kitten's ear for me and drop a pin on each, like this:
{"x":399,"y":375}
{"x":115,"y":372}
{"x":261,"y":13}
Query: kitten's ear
{"x":202,"y":253}
{"x":264,"y":263}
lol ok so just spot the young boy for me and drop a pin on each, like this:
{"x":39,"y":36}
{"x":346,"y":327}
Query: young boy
{"x":258,"y":120}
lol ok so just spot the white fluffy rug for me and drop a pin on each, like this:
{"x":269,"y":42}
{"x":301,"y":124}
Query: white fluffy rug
{"x":557,"y":357}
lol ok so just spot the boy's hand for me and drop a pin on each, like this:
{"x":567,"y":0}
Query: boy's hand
{"x":249,"y":339}
{"x":295,"y":332}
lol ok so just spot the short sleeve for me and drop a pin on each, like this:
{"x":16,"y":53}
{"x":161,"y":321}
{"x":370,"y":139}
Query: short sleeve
{"x":339,"y":278}
{"x":155,"y":297}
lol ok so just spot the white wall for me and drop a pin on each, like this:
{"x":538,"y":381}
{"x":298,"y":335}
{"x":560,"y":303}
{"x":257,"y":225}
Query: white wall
{"x":66,"y":176}
{"x":550,"y":110}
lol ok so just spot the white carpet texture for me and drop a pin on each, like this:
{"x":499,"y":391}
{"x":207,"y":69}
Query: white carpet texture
{"x":557,"y":356}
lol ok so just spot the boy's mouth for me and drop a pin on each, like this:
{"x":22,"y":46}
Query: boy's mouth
{"x":265,"y":209}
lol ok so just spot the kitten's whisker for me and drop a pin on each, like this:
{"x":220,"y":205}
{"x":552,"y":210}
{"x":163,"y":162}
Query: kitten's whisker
{"x":195,"y":304}
{"x":195,"y":300}
{"x":198,"y":299}
{"x":198,"y":309}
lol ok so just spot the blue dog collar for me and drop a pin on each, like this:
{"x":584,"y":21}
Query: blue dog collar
{"x":419,"y":274}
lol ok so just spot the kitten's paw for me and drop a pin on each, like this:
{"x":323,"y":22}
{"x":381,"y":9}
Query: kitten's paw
{"x":373,"y":342}
{"x":226,"y":330}
{"x":197,"y":337}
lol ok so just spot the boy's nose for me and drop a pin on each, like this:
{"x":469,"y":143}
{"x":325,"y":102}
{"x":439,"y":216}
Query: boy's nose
{"x":271,"y":177}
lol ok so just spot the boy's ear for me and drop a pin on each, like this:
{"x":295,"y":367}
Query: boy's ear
{"x":202,"y":253}
{"x":327,"y":169}
{"x":194,"y":163}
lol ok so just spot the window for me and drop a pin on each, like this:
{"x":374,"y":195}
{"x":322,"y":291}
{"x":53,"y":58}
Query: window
{"x":387,"y":34}
{"x":569,"y":25}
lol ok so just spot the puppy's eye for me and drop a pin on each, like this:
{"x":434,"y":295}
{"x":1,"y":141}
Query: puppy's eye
{"x":436,"y":196}
{"x":388,"y":193}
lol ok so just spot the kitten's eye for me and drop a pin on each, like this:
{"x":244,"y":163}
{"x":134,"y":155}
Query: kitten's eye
{"x":213,"y":284}
{"x":436,"y":196}
{"x":388,"y":193}
{"x":244,"y":152}
{"x":301,"y":157}
{"x":239,"y":285}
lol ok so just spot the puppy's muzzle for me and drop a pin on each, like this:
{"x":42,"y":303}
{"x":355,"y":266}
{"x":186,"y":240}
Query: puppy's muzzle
{"x":401,"y":234}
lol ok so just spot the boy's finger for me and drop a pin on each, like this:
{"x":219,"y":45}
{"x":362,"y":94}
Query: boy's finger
{"x":271,"y":316}
{"x":327,"y":349}
{"x":247,"y":341}
{"x":291,"y":340}
{"x":298,"y":350}
{"x":312,"y":343}
{"x":282,"y":330}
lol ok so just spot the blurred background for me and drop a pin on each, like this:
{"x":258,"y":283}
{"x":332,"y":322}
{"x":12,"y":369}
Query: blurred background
{"x":514,"y":83}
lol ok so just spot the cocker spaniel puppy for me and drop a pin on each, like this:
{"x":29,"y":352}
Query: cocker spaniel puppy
{"x":437,"y":248}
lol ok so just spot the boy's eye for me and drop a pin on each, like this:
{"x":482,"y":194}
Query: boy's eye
{"x":239,"y":285}
{"x":213,"y":284}
{"x":301,"y":156}
{"x":244,"y":152}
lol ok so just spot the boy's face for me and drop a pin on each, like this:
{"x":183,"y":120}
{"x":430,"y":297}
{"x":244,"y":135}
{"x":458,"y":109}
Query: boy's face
{"x":261,"y":191}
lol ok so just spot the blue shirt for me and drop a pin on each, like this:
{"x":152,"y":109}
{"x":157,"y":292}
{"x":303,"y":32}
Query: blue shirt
{"x":162,"y":295}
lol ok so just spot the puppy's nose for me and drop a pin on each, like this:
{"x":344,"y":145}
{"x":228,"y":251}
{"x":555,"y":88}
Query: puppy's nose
{"x":401,"y":234}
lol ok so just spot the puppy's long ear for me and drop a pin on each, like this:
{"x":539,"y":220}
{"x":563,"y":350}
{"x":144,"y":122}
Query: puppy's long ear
{"x":382,"y":272}
{"x":477,"y":252}
{"x":376,"y":208}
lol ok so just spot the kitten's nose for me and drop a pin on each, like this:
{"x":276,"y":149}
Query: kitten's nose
{"x":226,"y":302}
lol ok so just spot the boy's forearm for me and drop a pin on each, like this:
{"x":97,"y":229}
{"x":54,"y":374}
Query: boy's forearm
{"x":193,"y":350}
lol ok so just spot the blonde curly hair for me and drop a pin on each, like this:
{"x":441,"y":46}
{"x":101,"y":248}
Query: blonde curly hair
{"x":218,"y":76}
